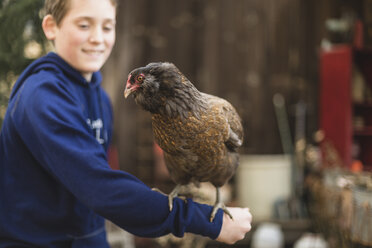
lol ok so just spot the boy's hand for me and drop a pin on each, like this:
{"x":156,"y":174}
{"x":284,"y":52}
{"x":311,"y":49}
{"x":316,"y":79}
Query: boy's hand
{"x":234,"y":230}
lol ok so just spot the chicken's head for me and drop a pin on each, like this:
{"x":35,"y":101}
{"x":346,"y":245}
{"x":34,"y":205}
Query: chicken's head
{"x":151,"y":84}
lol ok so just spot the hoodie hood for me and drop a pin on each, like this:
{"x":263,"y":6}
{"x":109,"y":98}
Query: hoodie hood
{"x":54,"y":62}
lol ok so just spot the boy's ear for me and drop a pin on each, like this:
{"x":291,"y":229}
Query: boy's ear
{"x":49,"y":26}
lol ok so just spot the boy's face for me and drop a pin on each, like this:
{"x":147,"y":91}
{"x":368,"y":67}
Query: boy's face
{"x":86,"y":35}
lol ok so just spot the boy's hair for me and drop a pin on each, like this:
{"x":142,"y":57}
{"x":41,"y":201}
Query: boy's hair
{"x":59,"y":8}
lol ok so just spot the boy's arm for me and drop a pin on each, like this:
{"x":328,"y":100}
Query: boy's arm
{"x":52,"y":126}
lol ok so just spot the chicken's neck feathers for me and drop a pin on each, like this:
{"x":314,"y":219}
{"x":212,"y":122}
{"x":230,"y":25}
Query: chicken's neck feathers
{"x":185,"y":101}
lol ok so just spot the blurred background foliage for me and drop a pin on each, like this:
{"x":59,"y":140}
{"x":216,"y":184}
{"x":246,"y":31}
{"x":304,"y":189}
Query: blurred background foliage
{"x":22,"y":40}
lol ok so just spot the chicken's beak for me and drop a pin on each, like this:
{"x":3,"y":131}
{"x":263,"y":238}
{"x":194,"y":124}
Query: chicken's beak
{"x":128,"y":90}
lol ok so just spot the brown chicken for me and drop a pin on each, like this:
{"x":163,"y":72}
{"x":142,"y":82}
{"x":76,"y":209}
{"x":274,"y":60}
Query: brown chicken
{"x":198,"y":132}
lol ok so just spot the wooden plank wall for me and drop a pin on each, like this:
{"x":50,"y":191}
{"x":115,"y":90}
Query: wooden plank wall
{"x":242,"y":50}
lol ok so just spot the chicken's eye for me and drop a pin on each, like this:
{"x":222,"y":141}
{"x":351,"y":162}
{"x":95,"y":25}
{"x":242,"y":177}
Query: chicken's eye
{"x":140,"y":78}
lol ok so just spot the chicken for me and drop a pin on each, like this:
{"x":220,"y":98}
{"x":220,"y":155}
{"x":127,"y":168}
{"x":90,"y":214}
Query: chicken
{"x":199,"y":133}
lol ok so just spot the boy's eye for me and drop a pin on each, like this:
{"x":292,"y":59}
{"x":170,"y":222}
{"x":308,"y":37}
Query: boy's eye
{"x":83,"y":26}
{"x":107,"y":28}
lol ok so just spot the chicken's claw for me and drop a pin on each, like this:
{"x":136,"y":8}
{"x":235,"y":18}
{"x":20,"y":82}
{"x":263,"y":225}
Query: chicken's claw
{"x":219,"y":204}
{"x":215,"y":209}
{"x":172,"y":195}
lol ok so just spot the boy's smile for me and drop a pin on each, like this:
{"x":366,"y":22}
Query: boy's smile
{"x":86,"y":35}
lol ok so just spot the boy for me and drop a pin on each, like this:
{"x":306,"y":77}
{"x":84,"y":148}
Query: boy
{"x":55,"y":184}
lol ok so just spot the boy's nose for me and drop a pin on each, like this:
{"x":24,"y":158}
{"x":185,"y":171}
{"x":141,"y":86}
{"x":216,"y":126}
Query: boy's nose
{"x":96,"y":35}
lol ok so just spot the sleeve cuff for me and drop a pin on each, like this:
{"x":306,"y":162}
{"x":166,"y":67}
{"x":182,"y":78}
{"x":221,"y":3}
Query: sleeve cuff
{"x":199,"y":222}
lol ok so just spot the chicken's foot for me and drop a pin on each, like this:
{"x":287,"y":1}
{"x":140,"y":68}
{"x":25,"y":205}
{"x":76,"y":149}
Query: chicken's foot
{"x":172,"y":195}
{"x":219,"y":204}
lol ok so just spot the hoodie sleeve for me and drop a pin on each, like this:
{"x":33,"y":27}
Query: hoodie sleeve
{"x":51,"y":124}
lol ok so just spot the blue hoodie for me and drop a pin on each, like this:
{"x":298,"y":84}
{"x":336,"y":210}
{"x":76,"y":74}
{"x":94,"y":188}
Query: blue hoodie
{"x":56,"y":186}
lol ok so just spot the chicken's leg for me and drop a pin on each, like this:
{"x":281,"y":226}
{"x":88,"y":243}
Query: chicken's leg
{"x":173,"y":194}
{"x":219,"y":204}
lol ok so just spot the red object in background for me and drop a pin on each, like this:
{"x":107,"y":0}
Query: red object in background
{"x":356,"y":166}
{"x":335,"y":99}
{"x":113,"y":158}
{"x":161,"y":171}
{"x":358,"y":41}
{"x":337,"y":109}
